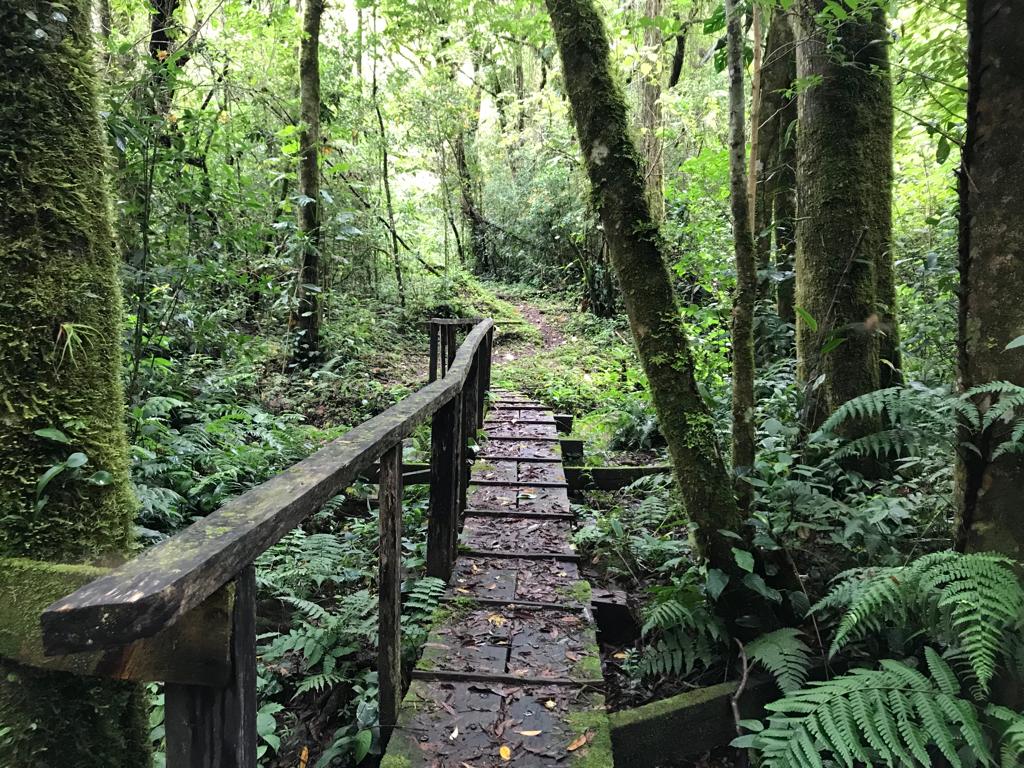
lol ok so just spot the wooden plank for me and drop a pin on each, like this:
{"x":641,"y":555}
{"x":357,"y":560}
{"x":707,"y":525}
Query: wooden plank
{"x":389,"y":642}
{"x":444,"y":489}
{"x":518,"y":483}
{"x":523,"y":555}
{"x":513,"y":514}
{"x":564,"y":422}
{"x":609,"y":478}
{"x":451,"y":676}
{"x":530,"y":605}
{"x":196,"y":650}
{"x":152,"y":591}
{"x":216,"y":727}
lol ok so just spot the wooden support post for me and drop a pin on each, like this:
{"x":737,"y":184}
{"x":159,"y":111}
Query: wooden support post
{"x":453,"y":345}
{"x":469,"y":428}
{"x":434,"y":329}
{"x":389,"y":653}
{"x":445,"y":432}
{"x":216,"y":727}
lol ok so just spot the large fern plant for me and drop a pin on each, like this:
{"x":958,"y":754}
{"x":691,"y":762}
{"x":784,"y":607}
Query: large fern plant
{"x":967,"y":611}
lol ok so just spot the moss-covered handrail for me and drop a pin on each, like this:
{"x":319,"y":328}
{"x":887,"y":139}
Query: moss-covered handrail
{"x":154,"y":590}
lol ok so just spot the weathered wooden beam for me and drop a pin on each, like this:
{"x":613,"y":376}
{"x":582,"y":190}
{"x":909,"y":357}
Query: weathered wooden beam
{"x":216,"y":727}
{"x":504,"y":554}
{"x":389,"y":628}
{"x":445,"y":432}
{"x":484,"y":677}
{"x":150,"y":592}
{"x":572,"y":450}
{"x":517,"y":514}
{"x":609,"y":478}
{"x":196,"y":650}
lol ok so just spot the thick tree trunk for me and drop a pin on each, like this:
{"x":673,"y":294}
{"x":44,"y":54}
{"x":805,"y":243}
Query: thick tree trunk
{"x":305,"y":319}
{"x":844,"y":183}
{"x":651,"y":114}
{"x":615,"y":170}
{"x":60,"y":329}
{"x":746,"y":270}
{"x":992,"y":269}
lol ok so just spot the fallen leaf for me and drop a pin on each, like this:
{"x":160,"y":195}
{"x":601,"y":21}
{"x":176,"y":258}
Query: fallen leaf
{"x":529,"y":733}
{"x":620,"y":655}
{"x":505,"y":752}
{"x":454,"y":734}
{"x":550,"y":704}
{"x":304,"y":757}
{"x":579,"y":742}
{"x":497,"y":619}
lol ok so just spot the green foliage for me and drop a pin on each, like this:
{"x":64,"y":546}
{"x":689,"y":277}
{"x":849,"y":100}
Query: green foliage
{"x":971,"y":603}
{"x":892,"y":715}
{"x":784,"y":654}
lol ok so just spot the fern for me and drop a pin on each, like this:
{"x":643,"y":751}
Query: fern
{"x":971,"y":602}
{"x":684,"y":633}
{"x":784,"y":655}
{"x":894,"y":715}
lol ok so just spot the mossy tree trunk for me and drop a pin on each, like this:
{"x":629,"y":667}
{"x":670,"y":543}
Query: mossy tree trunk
{"x":746,"y":269}
{"x":615,"y":169}
{"x":992,"y":269}
{"x":61,"y":395}
{"x":305,"y":319}
{"x":844,"y":183}
{"x":775,"y":163}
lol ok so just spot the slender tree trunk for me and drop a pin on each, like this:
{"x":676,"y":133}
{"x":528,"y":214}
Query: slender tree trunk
{"x":756,"y":98}
{"x":743,"y":436}
{"x":783,"y":184}
{"x":389,"y":203}
{"x":992,"y":270}
{"x":844,"y":182}
{"x":305,"y":319}
{"x":60,"y":329}
{"x":615,"y":170}
{"x":651,"y":119}
{"x":775,"y":116}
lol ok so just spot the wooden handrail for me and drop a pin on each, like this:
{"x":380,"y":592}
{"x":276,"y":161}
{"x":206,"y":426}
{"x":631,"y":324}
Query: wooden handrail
{"x":151,"y":592}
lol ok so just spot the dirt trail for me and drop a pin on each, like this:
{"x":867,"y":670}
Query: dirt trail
{"x":547,"y":323}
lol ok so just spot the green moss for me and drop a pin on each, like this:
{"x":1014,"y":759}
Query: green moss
{"x":598,"y":753}
{"x":658,"y":709}
{"x":60,"y":308}
{"x":395,"y":761}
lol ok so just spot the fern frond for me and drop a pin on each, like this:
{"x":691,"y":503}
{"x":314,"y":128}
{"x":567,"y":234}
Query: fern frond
{"x":784,"y":655}
{"x":890,"y":716}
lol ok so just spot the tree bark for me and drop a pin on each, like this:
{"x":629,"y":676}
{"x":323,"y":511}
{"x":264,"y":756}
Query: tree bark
{"x":992,"y":270}
{"x":844,"y":183}
{"x":651,"y":114}
{"x":305,"y":319}
{"x":743,"y":437}
{"x":615,"y":170}
{"x":60,"y":330}
{"x":774,"y":165}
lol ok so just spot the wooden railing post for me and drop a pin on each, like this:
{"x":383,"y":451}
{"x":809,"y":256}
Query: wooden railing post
{"x":453,"y":346}
{"x":434,"y":329}
{"x":216,"y":727}
{"x":389,"y":648}
{"x":445,"y":435}
{"x":470,"y":414}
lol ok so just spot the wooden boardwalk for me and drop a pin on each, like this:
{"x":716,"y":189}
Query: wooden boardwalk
{"x":510,"y":675}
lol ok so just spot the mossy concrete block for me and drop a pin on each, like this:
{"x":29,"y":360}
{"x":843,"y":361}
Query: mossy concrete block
{"x":692,"y":723}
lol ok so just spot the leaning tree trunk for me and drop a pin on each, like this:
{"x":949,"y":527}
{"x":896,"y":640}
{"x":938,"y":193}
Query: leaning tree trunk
{"x":305,"y":319}
{"x":746,"y":270}
{"x":992,"y":269}
{"x":615,"y":170}
{"x":844,"y":183}
{"x":61,"y":398}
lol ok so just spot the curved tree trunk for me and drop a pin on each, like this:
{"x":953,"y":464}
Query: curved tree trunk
{"x":615,"y":169}
{"x":60,"y":328}
{"x":305,"y":319}
{"x":651,"y":114}
{"x":746,"y":270}
{"x":992,"y":269}
{"x":844,"y":183}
